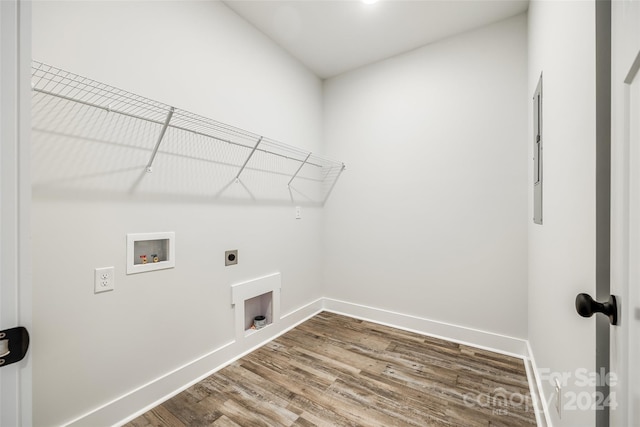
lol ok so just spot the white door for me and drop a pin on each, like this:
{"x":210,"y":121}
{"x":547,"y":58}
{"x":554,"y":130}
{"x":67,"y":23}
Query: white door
{"x":625,"y":225}
{"x":15,"y":196}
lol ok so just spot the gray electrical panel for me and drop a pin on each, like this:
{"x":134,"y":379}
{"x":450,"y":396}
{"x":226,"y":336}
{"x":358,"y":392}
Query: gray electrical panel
{"x":537,"y":153}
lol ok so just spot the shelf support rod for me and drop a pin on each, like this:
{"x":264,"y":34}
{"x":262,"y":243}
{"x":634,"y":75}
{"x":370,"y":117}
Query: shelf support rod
{"x":162,"y":132}
{"x":248,"y":158}
{"x":301,"y":165}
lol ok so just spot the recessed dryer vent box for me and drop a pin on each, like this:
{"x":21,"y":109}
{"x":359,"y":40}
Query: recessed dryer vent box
{"x":150,"y":251}
{"x":256,"y":297}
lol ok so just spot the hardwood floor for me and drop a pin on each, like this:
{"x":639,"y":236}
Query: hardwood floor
{"x":334,"y":370}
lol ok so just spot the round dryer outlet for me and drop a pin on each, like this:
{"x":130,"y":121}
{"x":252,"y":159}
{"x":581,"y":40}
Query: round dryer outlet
{"x":231,"y":257}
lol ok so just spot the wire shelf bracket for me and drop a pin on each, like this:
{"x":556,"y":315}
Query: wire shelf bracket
{"x":247,"y":159}
{"x":299,"y":168}
{"x":162,"y":132}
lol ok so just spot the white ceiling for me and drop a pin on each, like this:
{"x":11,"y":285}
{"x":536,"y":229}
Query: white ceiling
{"x":331,"y":37}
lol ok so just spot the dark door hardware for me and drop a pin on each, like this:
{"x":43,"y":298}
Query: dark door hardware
{"x":586,"y":306}
{"x":14,"y":344}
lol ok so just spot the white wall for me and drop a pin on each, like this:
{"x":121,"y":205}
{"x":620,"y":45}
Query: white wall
{"x":562,"y":250}
{"x":430,"y":218}
{"x":199,"y":56}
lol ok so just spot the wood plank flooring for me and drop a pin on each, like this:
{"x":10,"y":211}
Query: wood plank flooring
{"x":334,"y":370}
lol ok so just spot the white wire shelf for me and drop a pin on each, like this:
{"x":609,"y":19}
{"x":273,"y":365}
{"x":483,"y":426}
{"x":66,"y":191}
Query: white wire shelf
{"x":68,"y":105}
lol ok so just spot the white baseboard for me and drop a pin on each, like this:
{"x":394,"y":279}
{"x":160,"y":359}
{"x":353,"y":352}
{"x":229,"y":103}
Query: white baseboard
{"x":136,"y":402}
{"x":129,"y":406}
{"x":473,"y":337}
{"x":540,"y":402}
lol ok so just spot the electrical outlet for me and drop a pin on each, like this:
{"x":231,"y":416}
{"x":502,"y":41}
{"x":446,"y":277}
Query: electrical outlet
{"x":298,"y":212}
{"x":558,"y":392}
{"x":104,"y":279}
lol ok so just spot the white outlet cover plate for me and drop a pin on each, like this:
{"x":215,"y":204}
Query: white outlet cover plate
{"x":104,"y":279}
